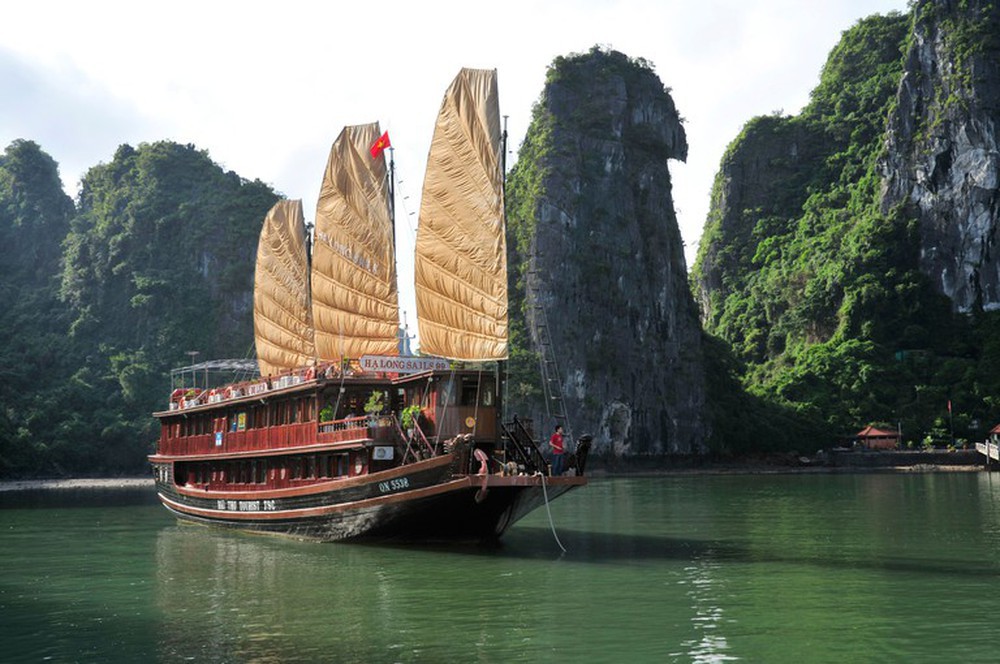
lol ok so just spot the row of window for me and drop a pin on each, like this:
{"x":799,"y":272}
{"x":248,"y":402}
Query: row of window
{"x":249,"y":417}
{"x":261,"y":471}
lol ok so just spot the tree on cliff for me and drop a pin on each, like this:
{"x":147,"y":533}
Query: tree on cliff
{"x":34,"y":219}
{"x":815,"y":284}
{"x":156,"y":260}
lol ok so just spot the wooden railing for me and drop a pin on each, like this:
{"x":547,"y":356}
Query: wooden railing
{"x":285,"y":435}
{"x":342,"y":431}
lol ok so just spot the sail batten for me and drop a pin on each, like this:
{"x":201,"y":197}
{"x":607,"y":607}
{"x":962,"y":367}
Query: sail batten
{"x":283,"y":330}
{"x":355,"y":303}
{"x":461,"y":258}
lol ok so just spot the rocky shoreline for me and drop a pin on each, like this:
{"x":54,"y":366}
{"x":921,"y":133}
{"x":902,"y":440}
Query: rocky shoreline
{"x":847,"y":462}
{"x":81,"y":483}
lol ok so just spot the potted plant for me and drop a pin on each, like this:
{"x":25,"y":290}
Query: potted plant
{"x":408,"y":418}
{"x":374,"y":407}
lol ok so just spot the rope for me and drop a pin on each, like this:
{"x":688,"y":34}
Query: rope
{"x":340,"y":393}
{"x":475,"y":411}
{"x":551,"y":525}
{"x":443,"y":409}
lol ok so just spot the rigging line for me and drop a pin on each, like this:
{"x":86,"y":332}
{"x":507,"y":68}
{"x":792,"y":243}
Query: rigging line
{"x":444,"y":408}
{"x":340,"y":392}
{"x":403,"y":196}
{"x":427,"y":389}
{"x":475,"y":410}
{"x":545,"y":493}
{"x":504,"y":412}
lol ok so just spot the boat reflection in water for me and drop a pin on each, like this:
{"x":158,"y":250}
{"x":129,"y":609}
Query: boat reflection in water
{"x":235,"y":597}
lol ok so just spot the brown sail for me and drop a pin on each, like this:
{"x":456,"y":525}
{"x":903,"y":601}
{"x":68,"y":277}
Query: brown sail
{"x":282,"y":319}
{"x":461,"y":255}
{"x":355,"y":305}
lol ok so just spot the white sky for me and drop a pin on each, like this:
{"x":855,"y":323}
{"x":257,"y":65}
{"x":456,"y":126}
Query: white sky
{"x":266,"y":87}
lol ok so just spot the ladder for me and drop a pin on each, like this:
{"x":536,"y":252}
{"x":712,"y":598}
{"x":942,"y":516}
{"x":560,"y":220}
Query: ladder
{"x":552,"y":386}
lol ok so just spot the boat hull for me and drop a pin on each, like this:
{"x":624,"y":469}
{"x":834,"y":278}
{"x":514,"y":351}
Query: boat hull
{"x":423,"y":501}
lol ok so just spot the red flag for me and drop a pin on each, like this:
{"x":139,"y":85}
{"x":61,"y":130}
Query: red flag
{"x":949,"y":405}
{"x":381,"y":144}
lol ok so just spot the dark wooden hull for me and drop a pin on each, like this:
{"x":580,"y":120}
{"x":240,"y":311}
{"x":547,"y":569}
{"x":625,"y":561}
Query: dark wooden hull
{"x":425,"y":501}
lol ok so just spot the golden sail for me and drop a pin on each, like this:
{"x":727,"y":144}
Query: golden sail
{"x":282,"y":318}
{"x":461,"y":253}
{"x":355,"y":306}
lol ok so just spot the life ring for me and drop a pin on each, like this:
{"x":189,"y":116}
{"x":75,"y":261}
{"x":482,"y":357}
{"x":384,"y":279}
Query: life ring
{"x":228,"y":393}
{"x":310,"y":373}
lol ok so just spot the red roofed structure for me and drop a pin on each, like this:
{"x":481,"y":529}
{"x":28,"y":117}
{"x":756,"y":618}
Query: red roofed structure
{"x":877,"y":439}
{"x":994,"y":435}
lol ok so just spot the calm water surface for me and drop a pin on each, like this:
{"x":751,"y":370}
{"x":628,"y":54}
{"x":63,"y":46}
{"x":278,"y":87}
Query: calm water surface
{"x":830,"y":568}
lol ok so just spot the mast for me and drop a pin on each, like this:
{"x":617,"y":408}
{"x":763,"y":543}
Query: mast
{"x":392,"y":192}
{"x":391,"y":175}
{"x":500,"y":383}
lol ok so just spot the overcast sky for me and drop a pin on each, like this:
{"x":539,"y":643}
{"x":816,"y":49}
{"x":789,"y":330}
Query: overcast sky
{"x":266,"y":87}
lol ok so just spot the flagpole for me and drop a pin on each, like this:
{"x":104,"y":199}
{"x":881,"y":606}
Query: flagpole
{"x":951,"y":424}
{"x":392,"y":193}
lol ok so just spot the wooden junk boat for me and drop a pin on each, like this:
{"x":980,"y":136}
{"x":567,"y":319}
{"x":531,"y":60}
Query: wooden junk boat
{"x":341,"y":435}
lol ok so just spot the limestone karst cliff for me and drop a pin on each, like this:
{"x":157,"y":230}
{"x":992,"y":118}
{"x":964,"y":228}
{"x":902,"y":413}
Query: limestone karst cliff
{"x":597,"y":240}
{"x":849,"y":258}
{"x":942,"y":158}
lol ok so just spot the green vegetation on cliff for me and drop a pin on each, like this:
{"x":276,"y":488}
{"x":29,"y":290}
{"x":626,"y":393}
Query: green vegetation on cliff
{"x":101,"y":300}
{"x":815,"y":288}
{"x":592,"y":234}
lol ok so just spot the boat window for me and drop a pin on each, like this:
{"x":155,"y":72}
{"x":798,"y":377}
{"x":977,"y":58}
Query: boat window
{"x":470,"y":389}
{"x":447,"y":393}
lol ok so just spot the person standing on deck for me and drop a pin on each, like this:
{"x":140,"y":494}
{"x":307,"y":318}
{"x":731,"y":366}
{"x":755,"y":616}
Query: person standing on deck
{"x":558,"y":451}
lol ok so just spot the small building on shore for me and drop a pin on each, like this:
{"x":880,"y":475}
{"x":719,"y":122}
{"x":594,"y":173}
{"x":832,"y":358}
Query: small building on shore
{"x":994,"y":435}
{"x":871,"y":438}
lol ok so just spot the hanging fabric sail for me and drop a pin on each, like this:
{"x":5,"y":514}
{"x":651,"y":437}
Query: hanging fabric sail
{"x":282,"y":318}
{"x":461,"y":254}
{"x":355,"y":307}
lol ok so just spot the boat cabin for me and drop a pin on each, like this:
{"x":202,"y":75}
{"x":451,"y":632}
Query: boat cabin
{"x":314,"y":425}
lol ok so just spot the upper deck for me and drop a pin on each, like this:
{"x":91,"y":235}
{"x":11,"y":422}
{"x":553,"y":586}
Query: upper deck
{"x":326,"y":410}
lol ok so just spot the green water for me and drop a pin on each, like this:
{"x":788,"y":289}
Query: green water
{"x":826,"y":568}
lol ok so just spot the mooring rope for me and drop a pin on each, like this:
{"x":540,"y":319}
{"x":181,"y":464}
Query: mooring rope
{"x":551,"y":524}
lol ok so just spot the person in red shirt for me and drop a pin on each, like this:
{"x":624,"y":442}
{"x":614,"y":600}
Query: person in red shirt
{"x":558,"y":451}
